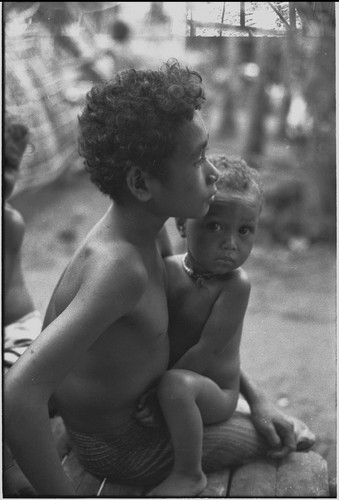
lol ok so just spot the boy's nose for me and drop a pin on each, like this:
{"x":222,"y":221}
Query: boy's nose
{"x":212,"y":173}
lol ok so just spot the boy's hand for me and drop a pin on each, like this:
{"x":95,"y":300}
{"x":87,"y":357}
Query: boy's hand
{"x":148,"y":410}
{"x":277,"y":427}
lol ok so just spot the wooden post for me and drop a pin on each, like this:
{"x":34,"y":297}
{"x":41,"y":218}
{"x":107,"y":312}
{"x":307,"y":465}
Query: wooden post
{"x":242,"y":14}
{"x":292,"y":15}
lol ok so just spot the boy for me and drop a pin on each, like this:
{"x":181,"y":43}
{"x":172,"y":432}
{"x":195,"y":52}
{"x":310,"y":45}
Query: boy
{"x":22,"y":321}
{"x":208,"y":294}
{"x":104,"y":341}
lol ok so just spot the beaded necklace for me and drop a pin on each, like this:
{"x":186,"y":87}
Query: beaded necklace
{"x":198,"y":277}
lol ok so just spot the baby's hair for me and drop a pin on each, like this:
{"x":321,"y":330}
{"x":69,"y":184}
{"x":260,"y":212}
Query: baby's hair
{"x":133,"y":120}
{"x":16,"y":137}
{"x":236,"y":175}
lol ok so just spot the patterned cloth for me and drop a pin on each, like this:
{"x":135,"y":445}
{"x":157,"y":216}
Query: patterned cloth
{"x":139,"y":455}
{"x":37,"y":79}
{"x":131,"y":454}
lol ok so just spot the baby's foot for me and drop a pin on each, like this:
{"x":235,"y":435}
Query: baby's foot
{"x":304,"y":436}
{"x":179,"y":485}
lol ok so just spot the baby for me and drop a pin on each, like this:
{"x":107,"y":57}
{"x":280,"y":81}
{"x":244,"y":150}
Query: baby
{"x":208,"y":297}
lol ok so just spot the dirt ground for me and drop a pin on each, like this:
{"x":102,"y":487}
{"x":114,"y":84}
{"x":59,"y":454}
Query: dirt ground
{"x":289,"y":342}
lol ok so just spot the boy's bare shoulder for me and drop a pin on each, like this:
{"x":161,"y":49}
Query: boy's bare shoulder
{"x":14,"y":226}
{"x":103,"y":280}
{"x":117,"y":266}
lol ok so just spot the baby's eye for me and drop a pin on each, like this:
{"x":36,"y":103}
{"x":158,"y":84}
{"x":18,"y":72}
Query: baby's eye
{"x":214,"y":226}
{"x":244,"y":230}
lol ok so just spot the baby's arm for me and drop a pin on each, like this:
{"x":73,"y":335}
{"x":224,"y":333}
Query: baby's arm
{"x":105,"y":294}
{"x":224,"y":322}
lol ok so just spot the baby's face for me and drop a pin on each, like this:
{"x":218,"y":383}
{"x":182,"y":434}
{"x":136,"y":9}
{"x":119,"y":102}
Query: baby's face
{"x":222,"y":240}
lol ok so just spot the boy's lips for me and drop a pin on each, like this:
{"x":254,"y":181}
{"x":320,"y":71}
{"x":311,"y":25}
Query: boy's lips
{"x":211,"y":198}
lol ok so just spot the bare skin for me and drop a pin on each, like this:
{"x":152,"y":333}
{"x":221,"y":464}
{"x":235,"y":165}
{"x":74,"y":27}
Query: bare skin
{"x":18,"y":301}
{"x":105,"y":340}
{"x":205,"y":328}
{"x":114,"y":385}
{"x":177,"y":483}
{"x":203,"y":385}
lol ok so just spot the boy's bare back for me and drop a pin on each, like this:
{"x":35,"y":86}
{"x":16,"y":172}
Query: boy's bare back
{"x":130,"y":351}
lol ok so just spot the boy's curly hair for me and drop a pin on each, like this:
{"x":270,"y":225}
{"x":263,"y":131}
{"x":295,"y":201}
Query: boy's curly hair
{"x":134,"y":120}
{"x":236,"y":175}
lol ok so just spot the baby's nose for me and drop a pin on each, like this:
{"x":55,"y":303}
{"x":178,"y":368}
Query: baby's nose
{"x":230,"y":243}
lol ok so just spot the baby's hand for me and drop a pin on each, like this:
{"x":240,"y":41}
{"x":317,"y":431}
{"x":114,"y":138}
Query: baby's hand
{"x":148,"y":410}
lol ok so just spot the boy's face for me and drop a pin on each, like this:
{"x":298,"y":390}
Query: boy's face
{"x":190,"y":181}
{"x":222,"y":240}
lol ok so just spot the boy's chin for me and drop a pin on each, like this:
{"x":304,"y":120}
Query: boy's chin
{"x":199,"y":213}
{"x":193,"y":213}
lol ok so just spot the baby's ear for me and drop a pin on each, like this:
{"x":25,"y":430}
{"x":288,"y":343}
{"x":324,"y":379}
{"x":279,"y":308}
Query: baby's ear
{"x":137,"y":182}
{"x":181,"y":226}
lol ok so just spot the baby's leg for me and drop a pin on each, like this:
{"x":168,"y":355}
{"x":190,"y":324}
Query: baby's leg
{"x":187,"y":400}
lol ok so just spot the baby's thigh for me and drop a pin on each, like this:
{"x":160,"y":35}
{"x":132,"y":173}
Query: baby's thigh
{"x":215,"y":404}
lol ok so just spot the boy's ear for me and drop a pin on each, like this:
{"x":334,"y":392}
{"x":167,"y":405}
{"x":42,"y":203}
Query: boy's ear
{"x":180,"y":222}
{"x":137,"y":181}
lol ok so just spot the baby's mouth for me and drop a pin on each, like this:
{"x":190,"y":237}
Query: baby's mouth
{"x":226,"y":259}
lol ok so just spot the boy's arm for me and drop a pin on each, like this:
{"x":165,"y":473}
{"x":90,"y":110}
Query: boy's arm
{"x":224,"y":322}
{"x":268,"y":419}
{"x":104,"y":296}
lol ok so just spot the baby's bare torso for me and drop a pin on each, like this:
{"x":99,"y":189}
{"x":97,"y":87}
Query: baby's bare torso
{"x":103,"y":388}
{"x":190,"y":305}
